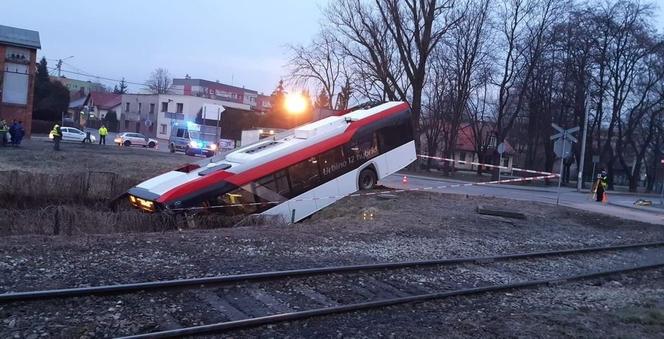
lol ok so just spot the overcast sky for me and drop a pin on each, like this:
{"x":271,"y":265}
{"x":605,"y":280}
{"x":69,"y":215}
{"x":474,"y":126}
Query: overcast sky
{"x":239,"y":42}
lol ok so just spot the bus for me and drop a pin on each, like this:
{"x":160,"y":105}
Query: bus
{"x":292,"y":174}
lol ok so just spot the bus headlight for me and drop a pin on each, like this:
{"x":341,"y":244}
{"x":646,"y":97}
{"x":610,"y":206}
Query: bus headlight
{"x":213,"y":147}
{"x":193,"y":144}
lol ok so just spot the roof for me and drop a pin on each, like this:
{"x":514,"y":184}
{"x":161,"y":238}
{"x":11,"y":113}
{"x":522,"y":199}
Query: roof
{"x":208,"y":83}
{"x":78,"y":103}
{"x":19,"y":37}
{"x":105,"y":100}
{"x":466,"y":138}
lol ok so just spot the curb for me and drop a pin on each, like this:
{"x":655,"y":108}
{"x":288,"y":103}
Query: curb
{"x":642,"y":209}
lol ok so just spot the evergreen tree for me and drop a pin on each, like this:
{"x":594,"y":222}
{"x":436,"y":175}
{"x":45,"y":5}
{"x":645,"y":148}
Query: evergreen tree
{"x":42,"y":71}
{"x":50,"y":99}
{"x":122,"y":89}
{"x":322,"y":101}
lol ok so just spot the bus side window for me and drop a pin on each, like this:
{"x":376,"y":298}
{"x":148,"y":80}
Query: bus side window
{"x":277,"y":182}
{"x":391,"y":137}
{"x":239,"y":196}
{"x":304,"y":175}
{"x":332,"y":162}
{"x":186,"y":134}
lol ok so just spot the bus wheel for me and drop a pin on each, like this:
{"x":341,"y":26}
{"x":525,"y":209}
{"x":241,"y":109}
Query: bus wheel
{"x":367,"y":179}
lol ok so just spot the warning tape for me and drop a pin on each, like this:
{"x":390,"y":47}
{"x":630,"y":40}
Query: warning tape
{"x":486,"y":165}
{"x":542,"y":176}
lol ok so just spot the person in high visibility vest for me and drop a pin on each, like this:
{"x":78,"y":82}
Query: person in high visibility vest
{"x":3,"y":132}
{"x":102,"y":134}
{"x":602,"y":184}
{"x":56,"y":132}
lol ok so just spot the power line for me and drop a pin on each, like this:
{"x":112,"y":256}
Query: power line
{"x":101,"y":77}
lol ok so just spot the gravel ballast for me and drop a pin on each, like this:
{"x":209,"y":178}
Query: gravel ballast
{"x":412,"y":226}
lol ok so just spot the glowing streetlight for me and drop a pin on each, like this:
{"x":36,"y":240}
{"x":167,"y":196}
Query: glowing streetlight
{"x":296,"y":103}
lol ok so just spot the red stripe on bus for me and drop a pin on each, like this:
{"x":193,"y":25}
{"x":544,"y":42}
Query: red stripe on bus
{"x":252,"y":174}
{"x":194,"y":185}
{"x":305,"y":153}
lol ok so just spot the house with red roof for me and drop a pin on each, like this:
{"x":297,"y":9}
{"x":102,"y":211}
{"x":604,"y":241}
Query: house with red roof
{"x":471,"y":140}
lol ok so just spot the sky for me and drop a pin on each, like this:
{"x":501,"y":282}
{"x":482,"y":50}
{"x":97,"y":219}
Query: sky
{"x":242,"y":43}
{"x":238,"y":42}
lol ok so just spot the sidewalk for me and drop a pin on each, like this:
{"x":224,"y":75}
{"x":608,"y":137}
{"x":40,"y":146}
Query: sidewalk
{"x":532,"y":188}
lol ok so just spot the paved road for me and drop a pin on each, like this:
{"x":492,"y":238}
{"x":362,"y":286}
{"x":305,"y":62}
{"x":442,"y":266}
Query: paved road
{"x":568,"y":197}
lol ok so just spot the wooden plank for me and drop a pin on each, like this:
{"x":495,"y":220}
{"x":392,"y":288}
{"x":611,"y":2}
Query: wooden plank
{"x":500,"y":213}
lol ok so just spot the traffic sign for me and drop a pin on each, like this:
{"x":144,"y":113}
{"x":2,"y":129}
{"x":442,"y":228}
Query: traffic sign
{"x":562,"y":148}
{"x":501,"y":148}
{"x":595,"y":159}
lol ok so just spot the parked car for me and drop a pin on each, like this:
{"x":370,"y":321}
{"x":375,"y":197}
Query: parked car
{"x":72,"y":134}
{"x":135,"y":139}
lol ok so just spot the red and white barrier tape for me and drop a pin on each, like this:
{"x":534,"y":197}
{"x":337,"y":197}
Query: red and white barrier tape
{"x":542,"y":177}
{"x":486,"y":165}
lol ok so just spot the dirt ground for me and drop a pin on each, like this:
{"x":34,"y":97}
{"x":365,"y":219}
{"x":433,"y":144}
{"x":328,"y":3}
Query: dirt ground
{"x":408,"y":226}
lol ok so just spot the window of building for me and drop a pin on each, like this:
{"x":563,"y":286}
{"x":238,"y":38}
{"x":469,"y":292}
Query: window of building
{"x":126,"y":107}
{"x":164,"y":106}
{"x":462,"y":156}
{"x":163,"y":128}
{"x":506,"y":161}
{"x":15,"y":84}
{"x":179,"y":107}
{"x":151,"y":108}
{"x":140,"y":105}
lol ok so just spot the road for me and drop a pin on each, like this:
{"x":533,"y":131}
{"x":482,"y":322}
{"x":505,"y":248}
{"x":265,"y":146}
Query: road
{"x":568,"y":197}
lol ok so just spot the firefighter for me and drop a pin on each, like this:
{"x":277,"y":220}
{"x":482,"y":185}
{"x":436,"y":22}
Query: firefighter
{"x":57,"y":136}
{"x":102,"y":134}
{"x":601,"y":186}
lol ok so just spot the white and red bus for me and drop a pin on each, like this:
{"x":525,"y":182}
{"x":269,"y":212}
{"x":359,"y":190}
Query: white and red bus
{"x":292,"y":174}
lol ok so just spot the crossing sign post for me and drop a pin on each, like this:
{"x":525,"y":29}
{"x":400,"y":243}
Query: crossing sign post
{"x":563,"y":148}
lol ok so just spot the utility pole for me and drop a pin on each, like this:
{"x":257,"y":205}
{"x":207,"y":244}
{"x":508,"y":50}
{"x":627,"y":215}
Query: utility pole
{"x":58,"y":66}
{"x":579,"y":179}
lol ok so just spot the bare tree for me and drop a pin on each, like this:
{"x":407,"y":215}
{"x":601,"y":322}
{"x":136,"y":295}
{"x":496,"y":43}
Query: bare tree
{"x":524,"y":25}
{"x":159,"y":82}
{"x":464,"y":54}
{"x":375,"y":32}
{"x":321,"y":64}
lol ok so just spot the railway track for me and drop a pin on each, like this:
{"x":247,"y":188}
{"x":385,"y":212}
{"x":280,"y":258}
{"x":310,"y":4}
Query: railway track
{"x":249,"y":300}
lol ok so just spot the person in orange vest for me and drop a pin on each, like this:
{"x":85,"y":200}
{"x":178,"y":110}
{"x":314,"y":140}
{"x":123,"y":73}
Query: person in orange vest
{"x":602,"y":184}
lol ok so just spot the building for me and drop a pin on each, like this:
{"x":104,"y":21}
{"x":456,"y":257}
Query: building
{"x":18,"y":51}
{"x":154,"y":114}
{"x":79,"y":88}
{"x":263,"y":103}
{"x":214,"y":90}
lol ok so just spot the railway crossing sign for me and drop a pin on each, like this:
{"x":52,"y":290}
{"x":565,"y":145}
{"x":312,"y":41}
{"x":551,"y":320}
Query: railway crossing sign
{"x":563,"y":148}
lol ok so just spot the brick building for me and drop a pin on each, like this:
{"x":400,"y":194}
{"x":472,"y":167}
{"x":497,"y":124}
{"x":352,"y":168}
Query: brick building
{"x":18,"y":55}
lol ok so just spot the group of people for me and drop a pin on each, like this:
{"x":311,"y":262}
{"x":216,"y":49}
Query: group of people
{"x":56,"y":132}
{"x":11,"y":134}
